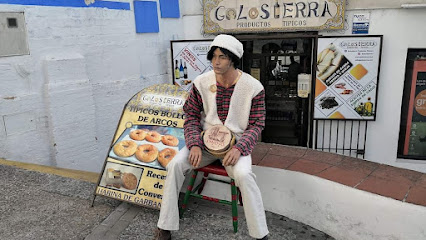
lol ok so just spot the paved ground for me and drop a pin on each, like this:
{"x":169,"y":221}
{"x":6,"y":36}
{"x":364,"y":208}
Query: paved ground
{"x":36,"y":205}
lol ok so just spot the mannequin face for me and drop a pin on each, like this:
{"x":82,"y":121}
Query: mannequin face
{"x":221,"y":63}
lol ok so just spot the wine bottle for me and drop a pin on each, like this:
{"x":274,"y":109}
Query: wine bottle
{"x":276,"y":9}
{"x":360,"y":109}
{"x":185,"y":71}
{"x":181,"y":69}
{"x":177,"y":75}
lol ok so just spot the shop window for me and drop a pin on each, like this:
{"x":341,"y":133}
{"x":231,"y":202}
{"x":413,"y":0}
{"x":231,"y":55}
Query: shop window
{"x":412,"y":134}
{"x":12,"y":23}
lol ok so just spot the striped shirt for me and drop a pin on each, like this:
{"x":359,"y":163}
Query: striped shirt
{"x":194,"y":106}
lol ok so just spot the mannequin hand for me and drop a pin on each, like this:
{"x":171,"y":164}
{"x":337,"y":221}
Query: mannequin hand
{"x":231,"y":157}
{"x":195,"y":155}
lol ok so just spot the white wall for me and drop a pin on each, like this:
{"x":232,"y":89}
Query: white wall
{"x":343,"y":212}
{"x":60,"y":105}
{"x":192,"y":17}
{"x":377,"y":4}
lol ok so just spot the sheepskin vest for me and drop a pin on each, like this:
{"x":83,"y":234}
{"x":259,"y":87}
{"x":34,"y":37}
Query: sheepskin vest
{"x":237,"y":120}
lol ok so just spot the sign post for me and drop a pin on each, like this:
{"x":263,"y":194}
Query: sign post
{"x":148,"y":136}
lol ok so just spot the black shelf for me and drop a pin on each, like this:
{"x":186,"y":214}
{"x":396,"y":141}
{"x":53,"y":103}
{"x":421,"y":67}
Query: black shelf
{"x":278,"y":54}
{"x":281,"y":123}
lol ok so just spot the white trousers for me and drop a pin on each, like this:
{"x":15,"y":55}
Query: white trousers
{"x":240,"y":172}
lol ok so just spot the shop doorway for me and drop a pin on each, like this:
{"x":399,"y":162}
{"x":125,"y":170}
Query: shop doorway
{"x":276,"y":62}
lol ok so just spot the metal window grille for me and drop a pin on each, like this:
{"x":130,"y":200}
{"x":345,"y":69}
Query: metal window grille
{"x":346,"y":137}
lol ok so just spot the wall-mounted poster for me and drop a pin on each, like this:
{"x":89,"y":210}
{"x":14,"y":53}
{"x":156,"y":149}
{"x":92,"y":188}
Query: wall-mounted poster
{"x":360,"y":23}
{"x":189,"y":60}
{"x":347,"y":73}
{"x":148,"y":136}
{"x":415,"y":134}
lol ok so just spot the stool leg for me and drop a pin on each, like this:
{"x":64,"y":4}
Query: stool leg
{"x":200,"y":190}
{"x":239,"y":196}
{"x":188,"y":193}
{"x":234,"y":206}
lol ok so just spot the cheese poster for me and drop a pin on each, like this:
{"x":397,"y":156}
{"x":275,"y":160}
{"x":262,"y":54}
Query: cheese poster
{"x":148,"y":136}
{"x":347,"y":71}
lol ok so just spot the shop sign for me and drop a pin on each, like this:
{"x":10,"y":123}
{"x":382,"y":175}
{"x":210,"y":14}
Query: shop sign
{"x":361,"y":23}
{"x":347,"y":73}
{"x":148,"y":136}
{"x":233,"y":16}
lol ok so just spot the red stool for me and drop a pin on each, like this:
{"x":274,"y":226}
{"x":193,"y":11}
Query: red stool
{"x":214,"y":168}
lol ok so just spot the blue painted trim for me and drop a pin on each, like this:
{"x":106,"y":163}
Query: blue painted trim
{"x":169,"y":8}
{"x":70,"y":3}
{"x":146,"y":17}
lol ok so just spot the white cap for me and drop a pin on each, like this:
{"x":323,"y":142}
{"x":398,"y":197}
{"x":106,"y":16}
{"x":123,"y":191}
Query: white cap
{"x":230,"y":43}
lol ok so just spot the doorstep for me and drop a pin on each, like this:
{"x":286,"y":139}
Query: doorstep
{"x":397,"y":183}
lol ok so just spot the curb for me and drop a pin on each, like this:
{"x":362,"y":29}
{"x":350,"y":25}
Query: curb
{"x":115,"y":223}
{"x":63,"y":172}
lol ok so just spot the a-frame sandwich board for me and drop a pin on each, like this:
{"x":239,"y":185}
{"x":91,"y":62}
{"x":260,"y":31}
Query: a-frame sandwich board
{"x":138,"y":176}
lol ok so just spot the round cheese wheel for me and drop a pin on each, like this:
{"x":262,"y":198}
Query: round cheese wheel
{"x":217,"y":138}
